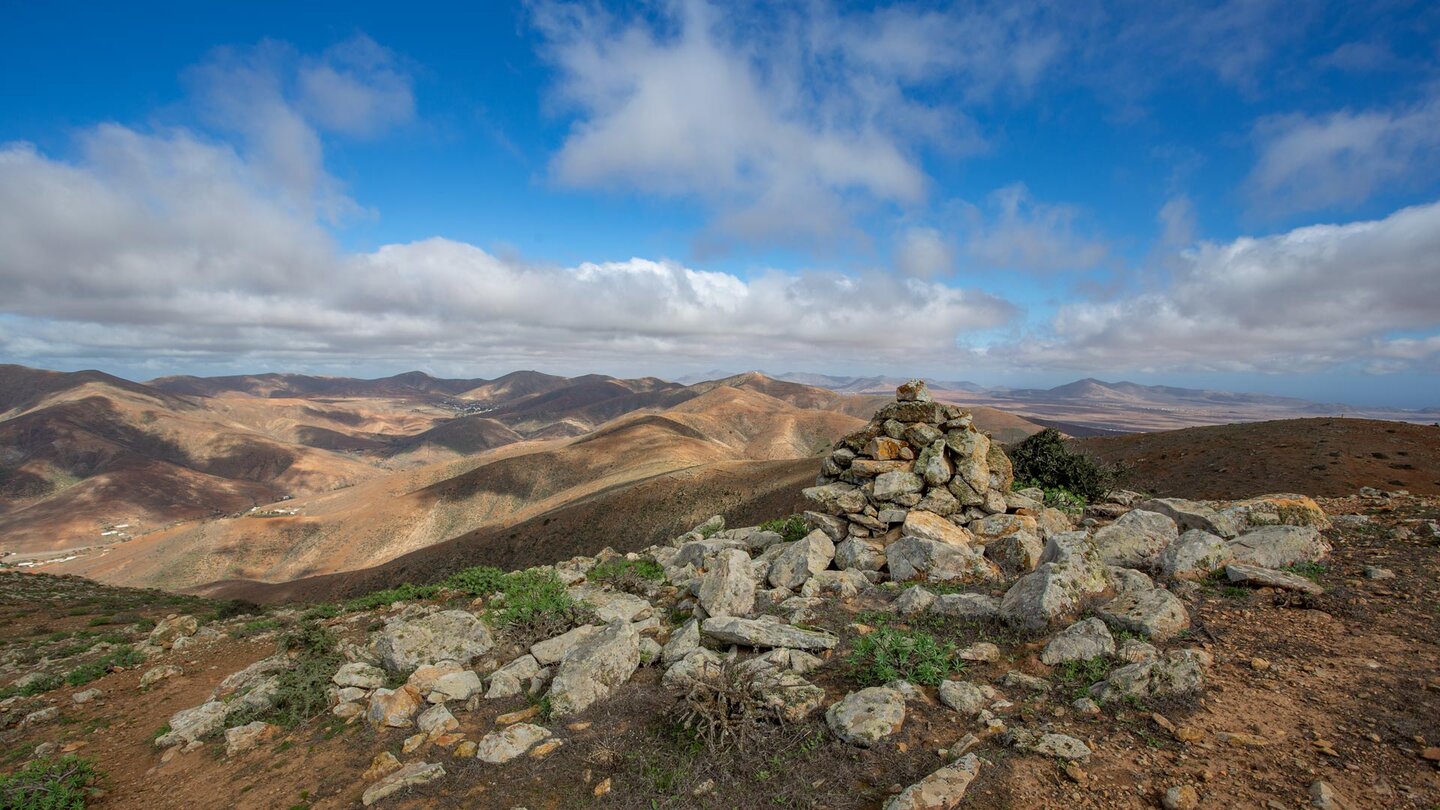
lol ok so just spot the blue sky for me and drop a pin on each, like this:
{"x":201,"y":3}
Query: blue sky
{"x":1237,"y":194}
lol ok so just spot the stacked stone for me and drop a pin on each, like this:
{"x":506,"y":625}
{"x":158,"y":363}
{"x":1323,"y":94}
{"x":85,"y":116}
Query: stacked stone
{"x":921,"y":470}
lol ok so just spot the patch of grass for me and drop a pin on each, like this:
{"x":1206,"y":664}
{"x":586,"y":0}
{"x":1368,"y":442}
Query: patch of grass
{"x":39,"y":686}
{"x":482,"y":580}
{"x":1076,"y":677}
{"x":889,"y":653}
{"x":1235,"y":592}
{"x":319,"y":612}
{"x":302,"y":687}
{"x":257,"y":626}
{"x":65,"y":783}
{"x":1310,"y":570}
{"x":389,"y":596}
{"x":790,"y":528}
{"x":123,"y":656}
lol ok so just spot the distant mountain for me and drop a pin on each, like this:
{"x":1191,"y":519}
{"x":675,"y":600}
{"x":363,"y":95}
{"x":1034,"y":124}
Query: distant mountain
{"x":1129,"y":393}
{"x":872,"y":385}
{"x":410,"y":383}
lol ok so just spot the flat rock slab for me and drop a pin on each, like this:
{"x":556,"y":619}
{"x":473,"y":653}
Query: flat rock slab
{"x":941,"y":790}
{"x":416,"y":773}
{"x":1257,"y":577}
{"x":502,"y":746}
{"x":1156,"y":613}
{"x":757,"y":633}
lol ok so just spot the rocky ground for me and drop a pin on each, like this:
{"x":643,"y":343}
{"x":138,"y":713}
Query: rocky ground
{"x":1272,"y":652}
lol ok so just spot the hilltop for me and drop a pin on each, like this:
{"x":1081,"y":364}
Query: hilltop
{"x":926,"y":634}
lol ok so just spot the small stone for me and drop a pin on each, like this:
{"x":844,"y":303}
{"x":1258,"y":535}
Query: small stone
{"x":383,"y":764}
{"x":1374,"y":572}
{"x":1241,"y":739}
{"x":1180,"y":797}
{"x":1259,"y":664}
{"x":602,"y":788}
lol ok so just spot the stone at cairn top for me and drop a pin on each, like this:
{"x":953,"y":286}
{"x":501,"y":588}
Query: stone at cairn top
{"x":913,"y":391}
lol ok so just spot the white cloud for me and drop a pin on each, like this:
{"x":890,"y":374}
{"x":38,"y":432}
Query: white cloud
{"x":1177,"y":222}
{"x":924,"y":253}
{"x":1309,"y":163}
{"x":1310,"y":299}
{"x":787,"y":124}
{"x":1015,"y":231}
{"x":167,"y":246}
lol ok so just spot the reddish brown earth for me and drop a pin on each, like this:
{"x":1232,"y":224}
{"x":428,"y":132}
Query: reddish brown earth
{"x":1327,"y":456}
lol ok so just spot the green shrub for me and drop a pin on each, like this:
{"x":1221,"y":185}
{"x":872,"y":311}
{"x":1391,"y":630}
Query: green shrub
{"x":255,"y":627}
{"x":537,"y":606}
{"x":1044,"y":460}
{"x":888,"y":653}
{"x":49,"y":784}
{"x":1309,"y":570}
{"x":1076,"y":677}
{"x":122,"y":656}
{"x":301,"y":688}
{"x":791,"y":528}
{"x":630,"y":576}
{"x":482,"y":580}
{"x":39,"y":686}
{"x":390,"y":596}
{"x":320,"y":612}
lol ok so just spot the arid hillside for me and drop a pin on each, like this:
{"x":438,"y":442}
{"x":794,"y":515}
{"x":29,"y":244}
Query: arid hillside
{"x":1325,"y":456}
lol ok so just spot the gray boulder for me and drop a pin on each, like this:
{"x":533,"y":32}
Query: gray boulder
{"x":912,"y":557}
{"x":1081,"y":641}
{"x":1279,"y":546}
{"x":868,"y":716}
{"x":449,"y":635}
{"x":728,"y":588}
{"x":1177,"y":673}
{"x":1070,"y":574}
{"x":942,"y":790}
{"x":1136,"y":539}
{"x":1195,"y":555}
{"x":766,"y":634}
{"x":1191,"y":515}
{"x":499,"y":747}
{"x":594,"y":668}
{"x":803,"y":558}
{"x":1156,"y":613}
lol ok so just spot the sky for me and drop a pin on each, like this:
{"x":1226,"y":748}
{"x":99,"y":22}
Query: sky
{"x":1241,"y":195}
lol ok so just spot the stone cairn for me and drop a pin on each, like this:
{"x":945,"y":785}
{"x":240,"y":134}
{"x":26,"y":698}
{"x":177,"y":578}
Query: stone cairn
{"x":920,"y":490}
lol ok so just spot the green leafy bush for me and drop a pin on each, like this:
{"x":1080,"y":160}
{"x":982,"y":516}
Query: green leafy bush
{"x":39,"y":686}
{"x":482,"y":580}
{"x":791,"y":528}
{"x":320,"y":612}
{"x":537,"y":606}
{"x":49,"y":784}
{"x":390,"y":596}
{"x":888,"y":653}
{"x":1045,"y":461}
{"x":302,"y":688}
{"x":631,"y":576}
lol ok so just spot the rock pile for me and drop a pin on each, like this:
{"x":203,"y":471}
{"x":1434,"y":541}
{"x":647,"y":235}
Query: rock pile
{"x":920,"y":492}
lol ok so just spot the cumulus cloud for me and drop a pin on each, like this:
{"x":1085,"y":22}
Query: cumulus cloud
{"x":168,"y":246}
{"x":1014,"y":231}
{"x":1309,"y":299}
{"x":785,"y":124}
{"x":924,"y":253}
{"x":1313,"y":162}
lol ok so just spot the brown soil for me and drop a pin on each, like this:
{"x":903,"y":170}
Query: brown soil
{"x":1331,"y":457}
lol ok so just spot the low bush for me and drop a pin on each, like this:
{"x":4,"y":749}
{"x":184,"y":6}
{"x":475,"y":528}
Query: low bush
{"x":302,"y":688}
{"x":726,"y":710}
{"x":537,"y":606}
{"x":1044,"y":460}
{"x":482,"y":580}
{"x":631,"y":576}
{"x":890,"y":653}
{"x":390,"y":596}
{"x":1074,"y":678}
{"x":65,"y":783}
{"x":319,"y":612}
{"x":122,"y":656}
{"x":791,"y":528}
